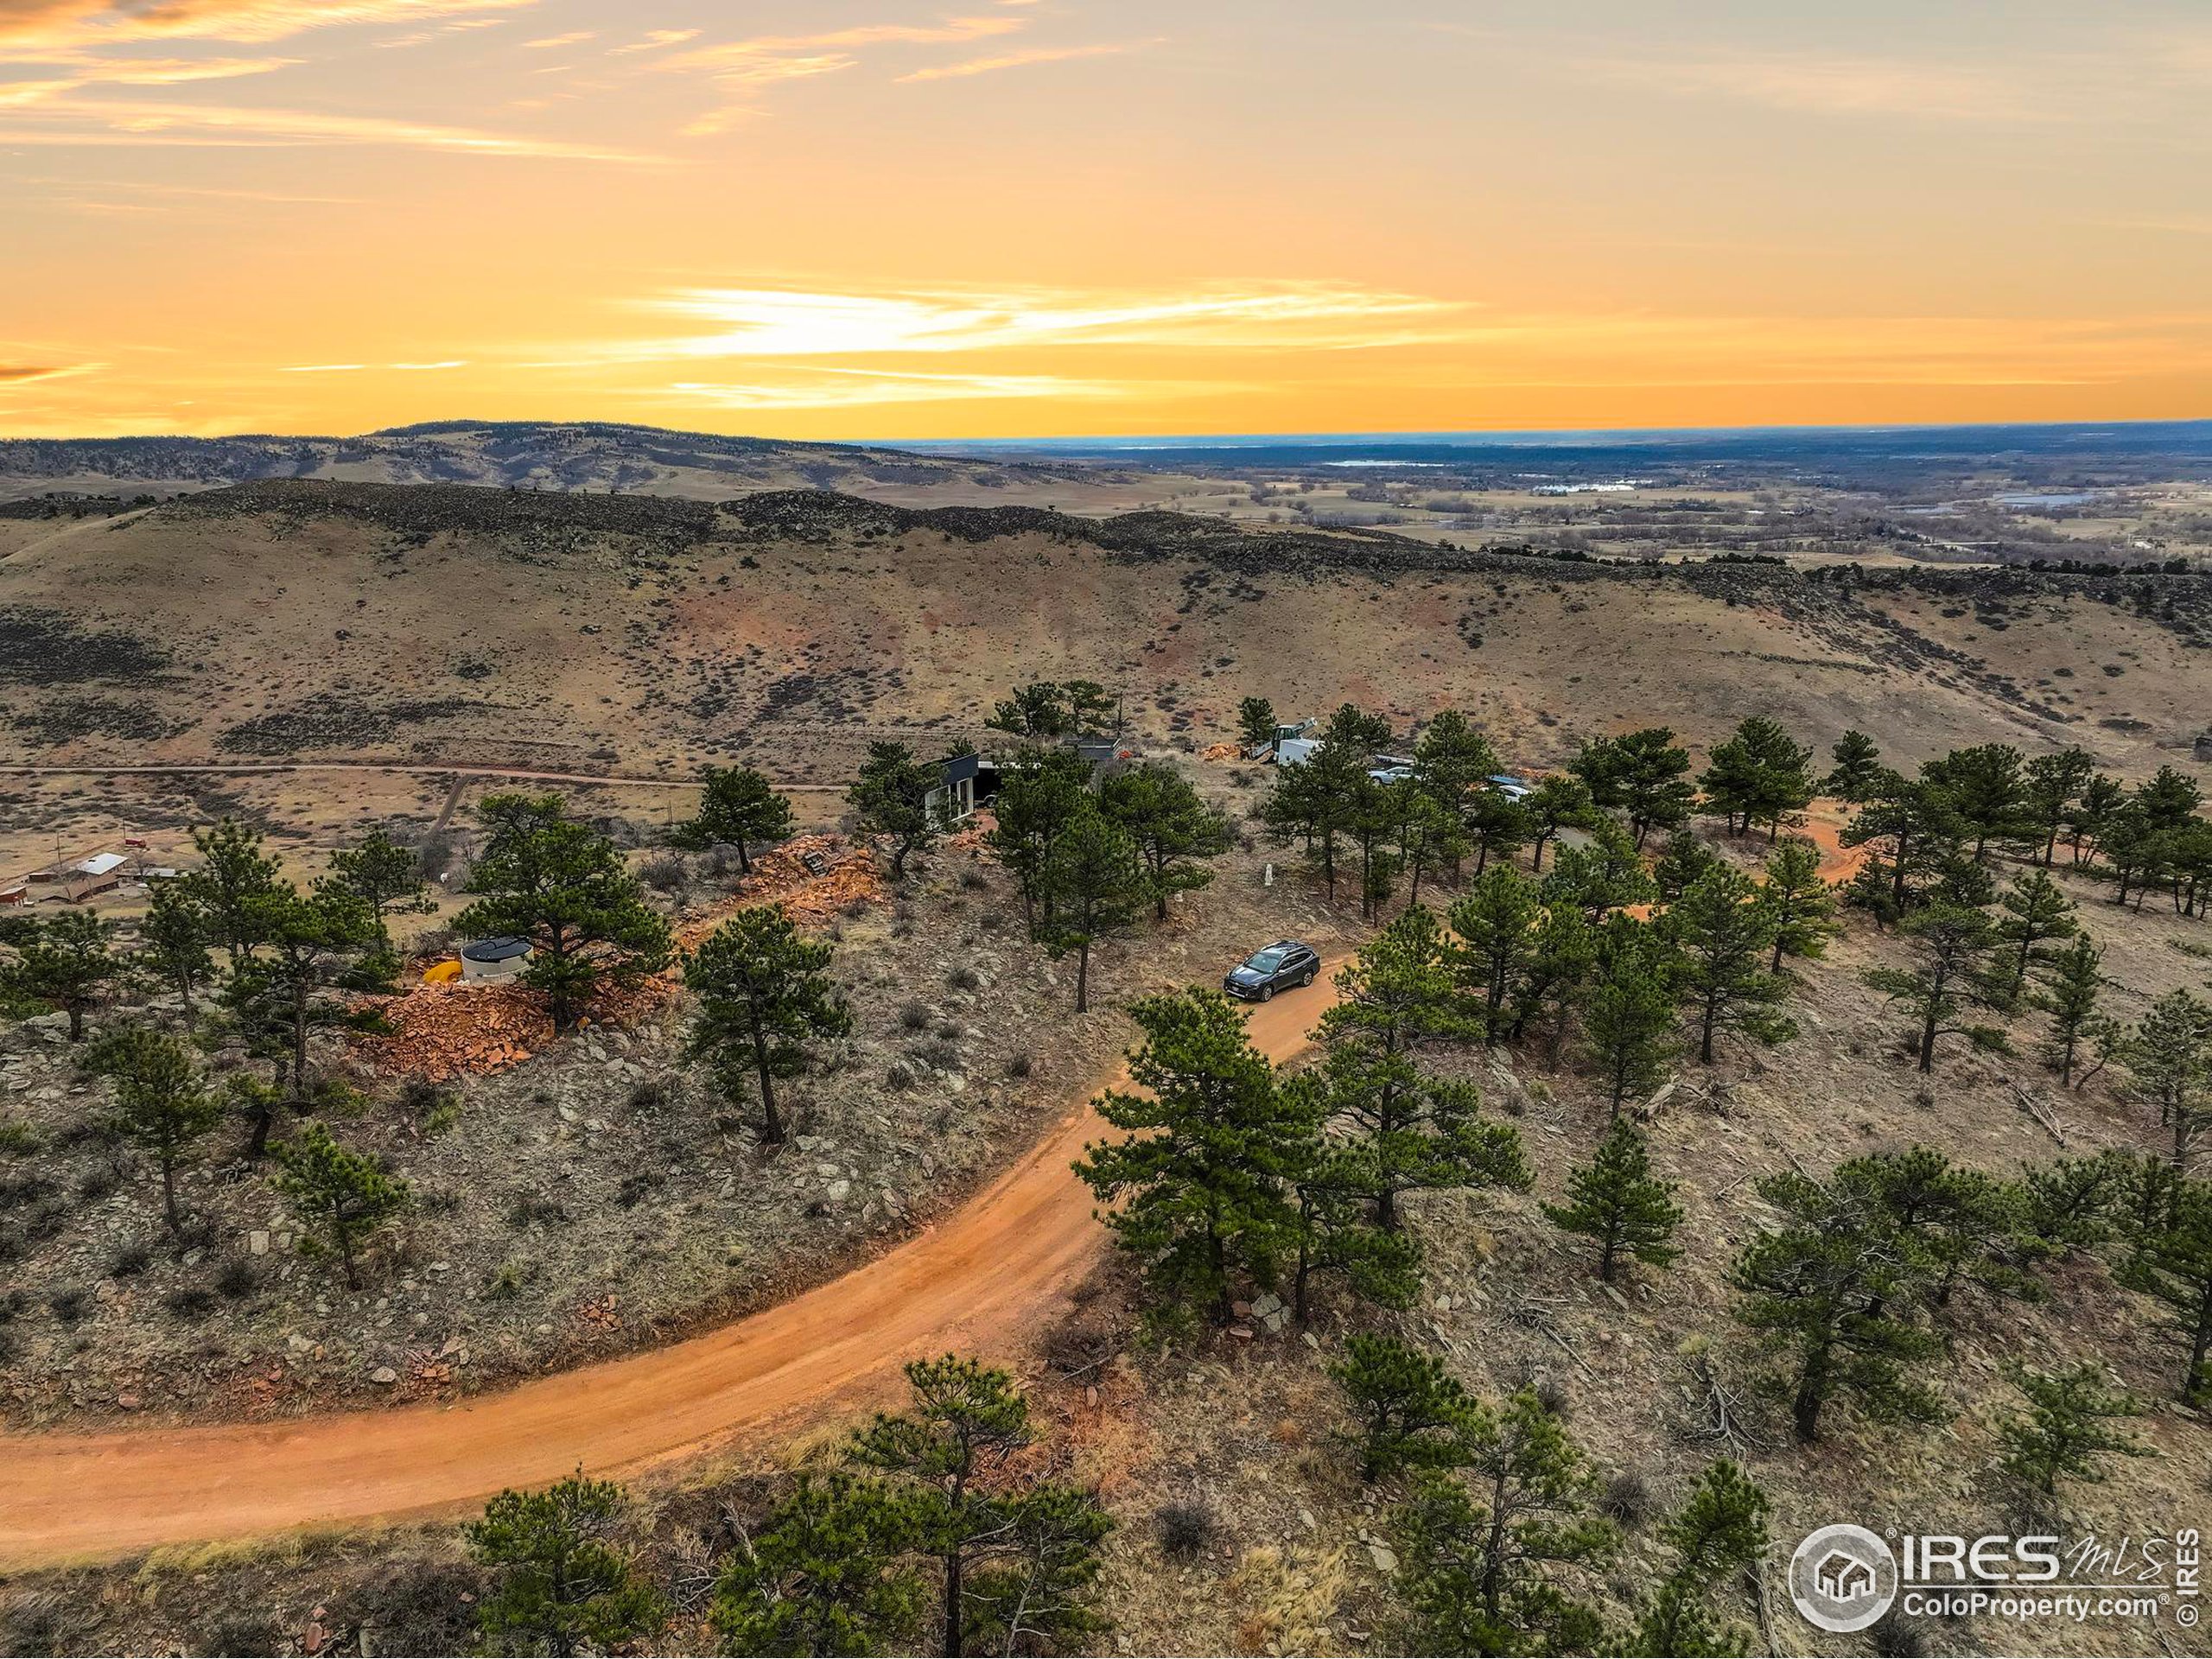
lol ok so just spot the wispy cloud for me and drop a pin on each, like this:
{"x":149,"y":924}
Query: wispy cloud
{"x":32,"y":26}
{"x":783,"y":322}
{"x":857,"y":388}
{"x":547,"y":43}
{"x":658,"y":39}
{"x":1834,"y":85}
{"x":737,"y":54}
{"x":2116,"y":78}
{"x":744,"y":66}
{"x":18,"y":374}
{"x":106,"y":121}
{"x":362,"y":368}
{"x":1022,"y":59}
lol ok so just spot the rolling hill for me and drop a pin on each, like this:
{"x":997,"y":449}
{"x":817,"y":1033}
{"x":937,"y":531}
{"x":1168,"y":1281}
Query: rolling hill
{"x":596,"y":457}
{"x":291,"y":619}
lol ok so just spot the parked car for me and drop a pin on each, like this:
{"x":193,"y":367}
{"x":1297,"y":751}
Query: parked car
{"x":1283,"y":966}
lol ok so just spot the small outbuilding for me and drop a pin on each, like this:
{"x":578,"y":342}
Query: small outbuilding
{"x":953,"y":800}
{"x":494,"y":959}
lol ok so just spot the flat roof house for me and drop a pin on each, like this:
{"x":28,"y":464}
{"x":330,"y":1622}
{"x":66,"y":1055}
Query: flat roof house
{"x":953,"y":801}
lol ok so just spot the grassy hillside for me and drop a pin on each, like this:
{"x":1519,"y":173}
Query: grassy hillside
{"x":597,"y":456}
{"x":290,"y":619}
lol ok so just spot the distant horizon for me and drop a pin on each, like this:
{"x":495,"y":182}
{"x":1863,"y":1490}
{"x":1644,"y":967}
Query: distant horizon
{"x":1440,"y":437}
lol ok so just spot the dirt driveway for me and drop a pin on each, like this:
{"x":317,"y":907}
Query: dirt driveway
{"x":985,"y":1282}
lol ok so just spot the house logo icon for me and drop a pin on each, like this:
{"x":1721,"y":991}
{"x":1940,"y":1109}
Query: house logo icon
{"x":1843,"y":1578}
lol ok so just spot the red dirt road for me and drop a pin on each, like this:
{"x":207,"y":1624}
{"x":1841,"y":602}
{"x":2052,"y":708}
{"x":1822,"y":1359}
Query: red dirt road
{"x":984,"y":1281}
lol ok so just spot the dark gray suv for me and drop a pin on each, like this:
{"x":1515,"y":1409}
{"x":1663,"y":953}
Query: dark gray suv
{"x":1282,"y":966}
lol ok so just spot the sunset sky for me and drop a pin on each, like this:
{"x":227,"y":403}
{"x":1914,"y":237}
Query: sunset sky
{"x":834,"y":218}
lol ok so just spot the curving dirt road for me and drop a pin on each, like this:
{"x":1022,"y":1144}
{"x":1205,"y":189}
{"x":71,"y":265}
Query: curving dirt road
{"x":983,"y":1281}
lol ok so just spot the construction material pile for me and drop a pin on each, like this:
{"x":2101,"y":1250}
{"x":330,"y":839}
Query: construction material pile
{"x":813,"y":878}
{"x":443,"y":1032}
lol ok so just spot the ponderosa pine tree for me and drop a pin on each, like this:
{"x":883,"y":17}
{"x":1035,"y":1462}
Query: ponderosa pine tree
{"x":1048,"y":710}
{"x":1799,"y":903}
{"x":1759,"y":775}
{"x":738,"y":808}
{"x":2091,"y":815}
{"x":2053,"y":782}
{"x":1408,"y":1133}
{"x":562,"y":1584}
{"x":1399,"y":997}
{"x":1483,"y":1548}
{"x":2067,"y":1428}
{"x":1041,"y":792}
{"x":1723,"y":936}
{"x":173,"y":939}
{"x":1096,"y":886}
{"x":765,"y":1006}
{"x":1563,"y":955}
{"x":1033,"y":1592}
{"x":1719,"y":1532}
{"x":1616,"y":1200}
{"x":1314,"y":804}
{"x":2174,"y":1263}
{"x":964,"y":1422}
{"x":1496,"y":825}
{"x":992,"y":1535}
{"x":385,"y":877}
{"x":232,"y":876}
{"x":342,"y":1197}
{"x":1951,"y":947}
{"x":1256,"y":724}
{"x":1335,"y":1188}
{"x":1985,"y":787}
{"x":312,"y":946}
{"x":2073,"y":983}
{"x":891,"y":797}
{"x":1628,"y":1017}
{"x":823,"y":1574}
{"x":1559,"y":802}
{"x":2036,"y":914}
{"x":559,"y":884}
{"x":1173,"y":831}
{"x":2168,"y":1059}
{"x":1495,"y":921}
{"x":1953,"y":1224}
{"x":1453,"y":763}
{"x":1807,"y":1287}
{"x":1604,"y":875}
{"x":1407,"y":1409}
{"x":1200,"y":1186}
{"x":1915,"y":832}
{"x":2068,"y":1205}
{"x":1644,"y":775}
{"x":1858,"y":769}
{"x":65,"y":963}
{"x":163,"y":1104}
{"x":1680,"y":862}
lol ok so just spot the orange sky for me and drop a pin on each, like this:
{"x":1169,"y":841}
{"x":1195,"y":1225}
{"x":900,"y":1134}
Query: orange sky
{"x":879,"y":218}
